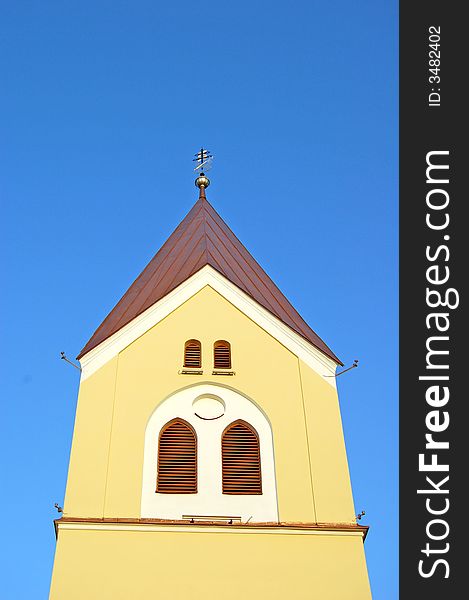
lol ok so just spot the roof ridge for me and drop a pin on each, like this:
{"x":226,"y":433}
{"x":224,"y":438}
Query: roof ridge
{"x":204,"y":200}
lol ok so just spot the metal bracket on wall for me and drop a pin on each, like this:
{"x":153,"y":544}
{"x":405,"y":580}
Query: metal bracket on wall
{"x":63,"y":357}
{"x":354,"y":366}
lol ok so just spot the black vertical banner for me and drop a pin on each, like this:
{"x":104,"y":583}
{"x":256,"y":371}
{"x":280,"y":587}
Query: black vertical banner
{"x":434,"y":254}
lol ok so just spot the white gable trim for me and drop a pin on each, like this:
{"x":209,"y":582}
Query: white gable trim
{"x":106,"y":350}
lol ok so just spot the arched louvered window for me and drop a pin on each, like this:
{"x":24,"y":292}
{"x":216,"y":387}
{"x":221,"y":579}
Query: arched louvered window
{"x":192,"y":354}
{"x":177,"y":459}
{"x":222,"y":355}
{"x":241,"y":460}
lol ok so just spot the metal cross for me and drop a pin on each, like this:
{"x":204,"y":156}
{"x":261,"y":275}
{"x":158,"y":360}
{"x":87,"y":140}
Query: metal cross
{"x":203,"y":159}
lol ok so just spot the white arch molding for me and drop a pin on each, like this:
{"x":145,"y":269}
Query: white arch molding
{"x":209,"y":501}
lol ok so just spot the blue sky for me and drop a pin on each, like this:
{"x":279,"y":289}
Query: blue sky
{"x":102,"y":106}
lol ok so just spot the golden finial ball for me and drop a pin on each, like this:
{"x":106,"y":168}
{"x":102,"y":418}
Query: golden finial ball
{"x":202,"y":180}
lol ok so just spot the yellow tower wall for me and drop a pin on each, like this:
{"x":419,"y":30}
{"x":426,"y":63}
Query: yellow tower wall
{"x":115,"y":403}
{"x":89,"y":458}
{"x":119,"y":556}
{"x":329,"y":466}
{"x":219,"y":564}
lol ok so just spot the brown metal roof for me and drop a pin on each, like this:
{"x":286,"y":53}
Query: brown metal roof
{"x":202,"y":238}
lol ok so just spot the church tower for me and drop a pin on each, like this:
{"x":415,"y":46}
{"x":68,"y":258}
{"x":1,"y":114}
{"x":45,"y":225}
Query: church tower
{"x":208,"y":458}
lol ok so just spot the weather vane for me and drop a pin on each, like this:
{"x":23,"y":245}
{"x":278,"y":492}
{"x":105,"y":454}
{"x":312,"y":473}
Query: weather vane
{"x":204,"y":159}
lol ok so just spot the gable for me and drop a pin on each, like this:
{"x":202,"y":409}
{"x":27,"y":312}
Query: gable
{"x":208,"y":277}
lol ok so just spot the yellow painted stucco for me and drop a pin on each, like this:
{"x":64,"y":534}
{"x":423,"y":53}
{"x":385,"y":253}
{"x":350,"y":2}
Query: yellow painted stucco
{"x":105,"y":474}
{"x":87,"y":474}
{"x":137,"y":565}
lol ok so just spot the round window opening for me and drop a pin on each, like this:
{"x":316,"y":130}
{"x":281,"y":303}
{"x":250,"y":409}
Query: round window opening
{"x":208,"y":407}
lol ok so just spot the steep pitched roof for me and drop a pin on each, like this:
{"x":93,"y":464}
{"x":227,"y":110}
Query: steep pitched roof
{"x":202,"y":238}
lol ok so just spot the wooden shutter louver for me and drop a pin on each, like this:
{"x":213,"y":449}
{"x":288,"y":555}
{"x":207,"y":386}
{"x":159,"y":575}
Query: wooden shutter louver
{"x":177,"y":459}
{"x":241,"y":460}
{"x":222,"y":355}
{"x":192,"y":354}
